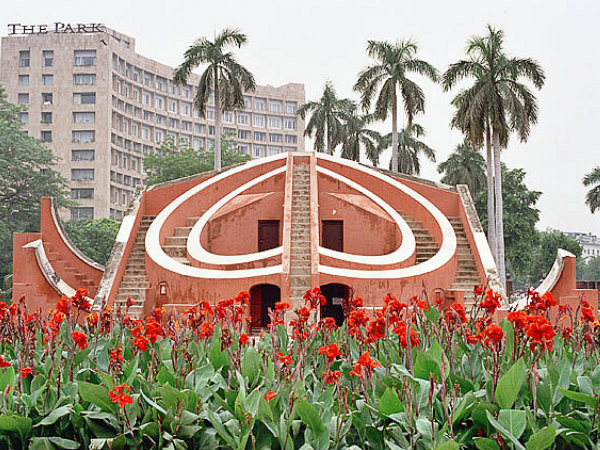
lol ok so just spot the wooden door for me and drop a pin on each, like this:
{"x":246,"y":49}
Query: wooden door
{"x":268,"y":234}
{"x":333,"y":235}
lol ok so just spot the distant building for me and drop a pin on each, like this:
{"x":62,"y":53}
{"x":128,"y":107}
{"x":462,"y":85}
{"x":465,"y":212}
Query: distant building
{"x":588,"y":241}
{"x":100,"y":107}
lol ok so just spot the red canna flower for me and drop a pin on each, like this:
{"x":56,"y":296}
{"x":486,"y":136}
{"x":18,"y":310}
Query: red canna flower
{"x":331,"y":351}
{"x":207,"y":329}
{"x":493,"y":333}
{"x":282,"y":306}
{"x":3,"y":363}
{"x":130,"y":302}
{"x":243,"y":298}
{"x":364,"y":366}
{"x":153,"y":329}
{"x":63,"y":305}
{"x":80,"y":339}
{"x":285,"y":359}
{"x":80,"y":300}
{"x":587,"y":315}
{"x":244,"y":339}
{"x":270,"y":396}
{"x":518,"y":318}
{"x":479,"y":291}
{"x":329,"y":323}
{"x":356,"y":302}
{"x":376,"y":329}
{"x":331,"y":376}
{"x":141,"y":342}
{"x":25,"y":372}
{"x":118,"y":395}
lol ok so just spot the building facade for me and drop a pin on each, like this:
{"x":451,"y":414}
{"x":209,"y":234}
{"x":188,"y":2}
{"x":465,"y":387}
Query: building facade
{"x":100,"y":107}
{"x":590,"y":243}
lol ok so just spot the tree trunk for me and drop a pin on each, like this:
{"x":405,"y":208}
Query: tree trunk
{"x":395,"y":134}
{"x":328,"y":150}
{"x":218,"y":119}
{"x":490,"y":193}
{"x":499,"y":216}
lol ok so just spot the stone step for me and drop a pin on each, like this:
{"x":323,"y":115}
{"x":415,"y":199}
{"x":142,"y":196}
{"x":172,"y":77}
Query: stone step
{"x":179,"y":241}
{"x":175,"y":250}
{"x":182,"y":231}
{"x":126,"y":284}
{"x":182,"y":260}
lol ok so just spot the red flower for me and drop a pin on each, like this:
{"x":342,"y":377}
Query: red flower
{"x":364,"y":365}
{"x":479,"y":291}
{"x":80,"y":339}
{"x":153,"y":329}
{"x":456,"y":309}
{"x":80,"y":300}
{"x":141,"y":342}
{"x":116,"y":355}
{"x":331,"y":376}
{"x":356,"y":302}
{"x":376,"y":329}
{"x":118,"y":395}
{"x":587,"y":315}
{"x":329,"y":323}
{"x":285,"y":359}
{"x":244,"y":339}
{"x":207,"y":329}
{"x":137,"y":329}
{"x":243,"y":298}
{"x":331,"y":351}
{"x":25,"y":372}
{"x":270,"y":396}
{"x":282,"y":306}
{"x":519,"y":319}
{"x":3,"y":363}
{"x":494,"y":334}
{"x":491,"y":301}
{"x":130,"y":302}
{"x":63,"y":305}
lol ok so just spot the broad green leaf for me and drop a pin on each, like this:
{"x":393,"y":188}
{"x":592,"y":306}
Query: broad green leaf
{"x":483,"y":443}
{"x":513,"y":420}
{"x":16,"y":424}
{"x":427,"y":362}
{"x":217,"y":357}
{"x":51,"y":443}
{"x":55,"y":415}
{"x":579,"y":397}
{"x":250,"y":364}
{"x":171,"y":397}
{"x":389,"y":403}
{"x":574,"y":424}
{"x":97,"y":395}
{"x":510,"y":384}
{"x":541,"y":439}
{"x":310,"y":416}
{"x":80,"y":356}
{"x":216,"y":422}
{"x":448,"y":445}
{"x":504,"y":432}
{"x":7,"y":378}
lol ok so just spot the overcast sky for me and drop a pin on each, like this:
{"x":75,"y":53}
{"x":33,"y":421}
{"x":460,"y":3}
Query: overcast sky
{"x":311,"y":41}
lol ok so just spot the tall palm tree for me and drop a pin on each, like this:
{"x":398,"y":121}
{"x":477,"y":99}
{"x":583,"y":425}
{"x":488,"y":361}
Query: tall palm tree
{"x":497,"y":104}
{"x":357,"y":135}
{"x":592,"y":198}
{"x":410,"y":149}
{"x":465,"y":165}
{"x":223,"y":77}
{"x":393,"y":63}
{"x":326,"y":120}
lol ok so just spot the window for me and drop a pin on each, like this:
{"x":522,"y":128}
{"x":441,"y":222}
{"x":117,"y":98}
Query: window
{"x":260,"y":104}
{"x":82,"y":213}
{"x":228,"y":117}
{"x":159,"y":102}
{"x":210,"y":113}
{"x":84,"y":98}
{"x":84,"y":117}
{"x":247,"y":102}
{"x":259,"y":136}
{"x":23,"y":80}
{"x":172,"y":105}
{"x":258,"y":150}
{"x":199,"y":128}
{"x":82,"y":174}
{"x":145,"y":133}
{"x":158,"y":135}
{"x":274,"y":150}
{"x":46,"y":98}
{"x":46,"y":117}
{"x":258,"y":120}
{"x":47,"y":80}
{"x":186,"y":108}
{"x":244,"y":149}
{"x":47,"y":58}
{"x":83,"y":155}
{"x":84,"y":79}
{"x":82,"y":194}
{"x":243,"y":118}
{"x":46,"y":136}
{"x":275,"y":122}
{"x":244,"y":134}
{"x":197,"y":143}
{"x":290,"y":107}
{"x":290,"y":149}
{"x":83,"y":136}
{"x":275,"y":137}
{"x":291,"y":139}
{"x":290,"y":123}
{"x":147,"y":98}
{"x":186,"y":125}
{"x":211,"y":129}
{"x":85,"y":57}
{"x":23,"y":99}
{"x":24,"y":58}
{"x":275,"y":106}
{"x":24,"y":117}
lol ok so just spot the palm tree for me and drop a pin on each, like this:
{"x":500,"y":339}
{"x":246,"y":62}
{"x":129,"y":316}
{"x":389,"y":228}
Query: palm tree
{"x":394,"y":63}
{"x":326,"y":119}
{"x":592,"y":198}
{"x":357,"y":135}
{"x":466,"y":165}
{"x":494,"y":106}
{"x":410,"y":149}
{"x":223,"y":77}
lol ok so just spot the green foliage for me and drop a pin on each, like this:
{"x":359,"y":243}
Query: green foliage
{"x":177,"y":161}
{"x":94,"y":237}
{"x":465,"y":165}
{"x":545,"y":252}
{"x":588,"y":269}
{"x":27,"y":173}
{"x":592,"y":198}
{"x":410,"y":149}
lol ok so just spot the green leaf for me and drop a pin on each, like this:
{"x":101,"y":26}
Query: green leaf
{"x":217,"y":357}
{"x":310,"y":416}
{"x":55,"y":415}
{"x":17,"y":424}
{"x":510,"y":384}
{"x":97,"y":395}
{"x":250,"y":364}
{"x":51,"y":443}
{"x":579,"y":397}
{"x":483,"y":443}
{"x":389,"y":403}
{"x":505,"y":432}
{"x":513,"y":420}
{"x":80,"y":356}
{"x":541,"y":439}
{"x":171,"y":397}
{"x":429,"y":361}
{"x":7,"y":378}
{"x":448,"y":445}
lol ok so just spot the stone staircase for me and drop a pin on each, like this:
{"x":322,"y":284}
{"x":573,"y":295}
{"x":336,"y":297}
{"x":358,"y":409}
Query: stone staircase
{"x":134,"y":282}
{"x":300,"y":279}
{"x":176,"y":245}
{"x":68,"y":273}
{"x":426,"y":247}
{"x":467,"y":276}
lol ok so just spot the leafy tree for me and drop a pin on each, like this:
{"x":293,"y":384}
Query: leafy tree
{"x":94,"y":237}
{"x":223,"y":77}
{"x":494,"y":106}
{"x":27,"y":173}
{"x":357,"y":135}
{"x":410,"y":149}
{"x":588,"y":269}
{"x":388,"y":76}
{"x":520,"y":219}
{"x":176,"y":161}
{"x":592,"y":198}
{"x":465,"y":165}
{"x":544,"y":255}
{"x":326,"y":120}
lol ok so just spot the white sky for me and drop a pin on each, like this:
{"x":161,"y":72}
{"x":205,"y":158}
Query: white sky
{"x":311,"y":41}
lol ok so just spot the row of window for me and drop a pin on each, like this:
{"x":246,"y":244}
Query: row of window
{"x":79,"y":98}
{"x":80,"y":58}
{"x":77,"y":136}
{"x":124,"y":161}
{"x":258,"y":150}
{"x":46,"y":117}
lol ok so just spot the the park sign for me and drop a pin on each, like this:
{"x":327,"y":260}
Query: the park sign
{"x":56,"y":28}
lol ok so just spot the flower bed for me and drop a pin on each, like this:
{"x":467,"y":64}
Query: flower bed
{"x":410,"y":375}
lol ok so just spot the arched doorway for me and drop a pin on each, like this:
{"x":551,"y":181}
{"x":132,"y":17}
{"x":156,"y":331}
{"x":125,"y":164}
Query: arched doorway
{"x":262,"y":298}
{"x":335,"y":294}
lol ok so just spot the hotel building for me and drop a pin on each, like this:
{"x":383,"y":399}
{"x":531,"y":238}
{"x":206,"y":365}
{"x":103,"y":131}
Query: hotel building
{"x":100,"y":107}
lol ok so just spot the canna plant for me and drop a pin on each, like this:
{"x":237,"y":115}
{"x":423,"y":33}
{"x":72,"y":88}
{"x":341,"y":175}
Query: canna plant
{"x":412,"y":374}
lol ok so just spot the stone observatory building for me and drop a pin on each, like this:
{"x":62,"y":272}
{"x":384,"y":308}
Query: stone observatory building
{"x":275,"y":227}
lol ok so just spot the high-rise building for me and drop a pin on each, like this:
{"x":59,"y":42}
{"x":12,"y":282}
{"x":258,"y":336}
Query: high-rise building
{"x":101,"y":107}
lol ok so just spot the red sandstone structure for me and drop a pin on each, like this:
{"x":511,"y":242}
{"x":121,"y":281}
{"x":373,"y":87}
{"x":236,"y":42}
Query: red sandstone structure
{"x":276,"y":227}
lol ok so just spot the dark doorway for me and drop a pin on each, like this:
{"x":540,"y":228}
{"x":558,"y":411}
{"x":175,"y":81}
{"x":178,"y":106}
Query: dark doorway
{"x":335,"y":294}
{"x":262,"y":298}
{"x":333,"y":235}
{"x":268,"y":234}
